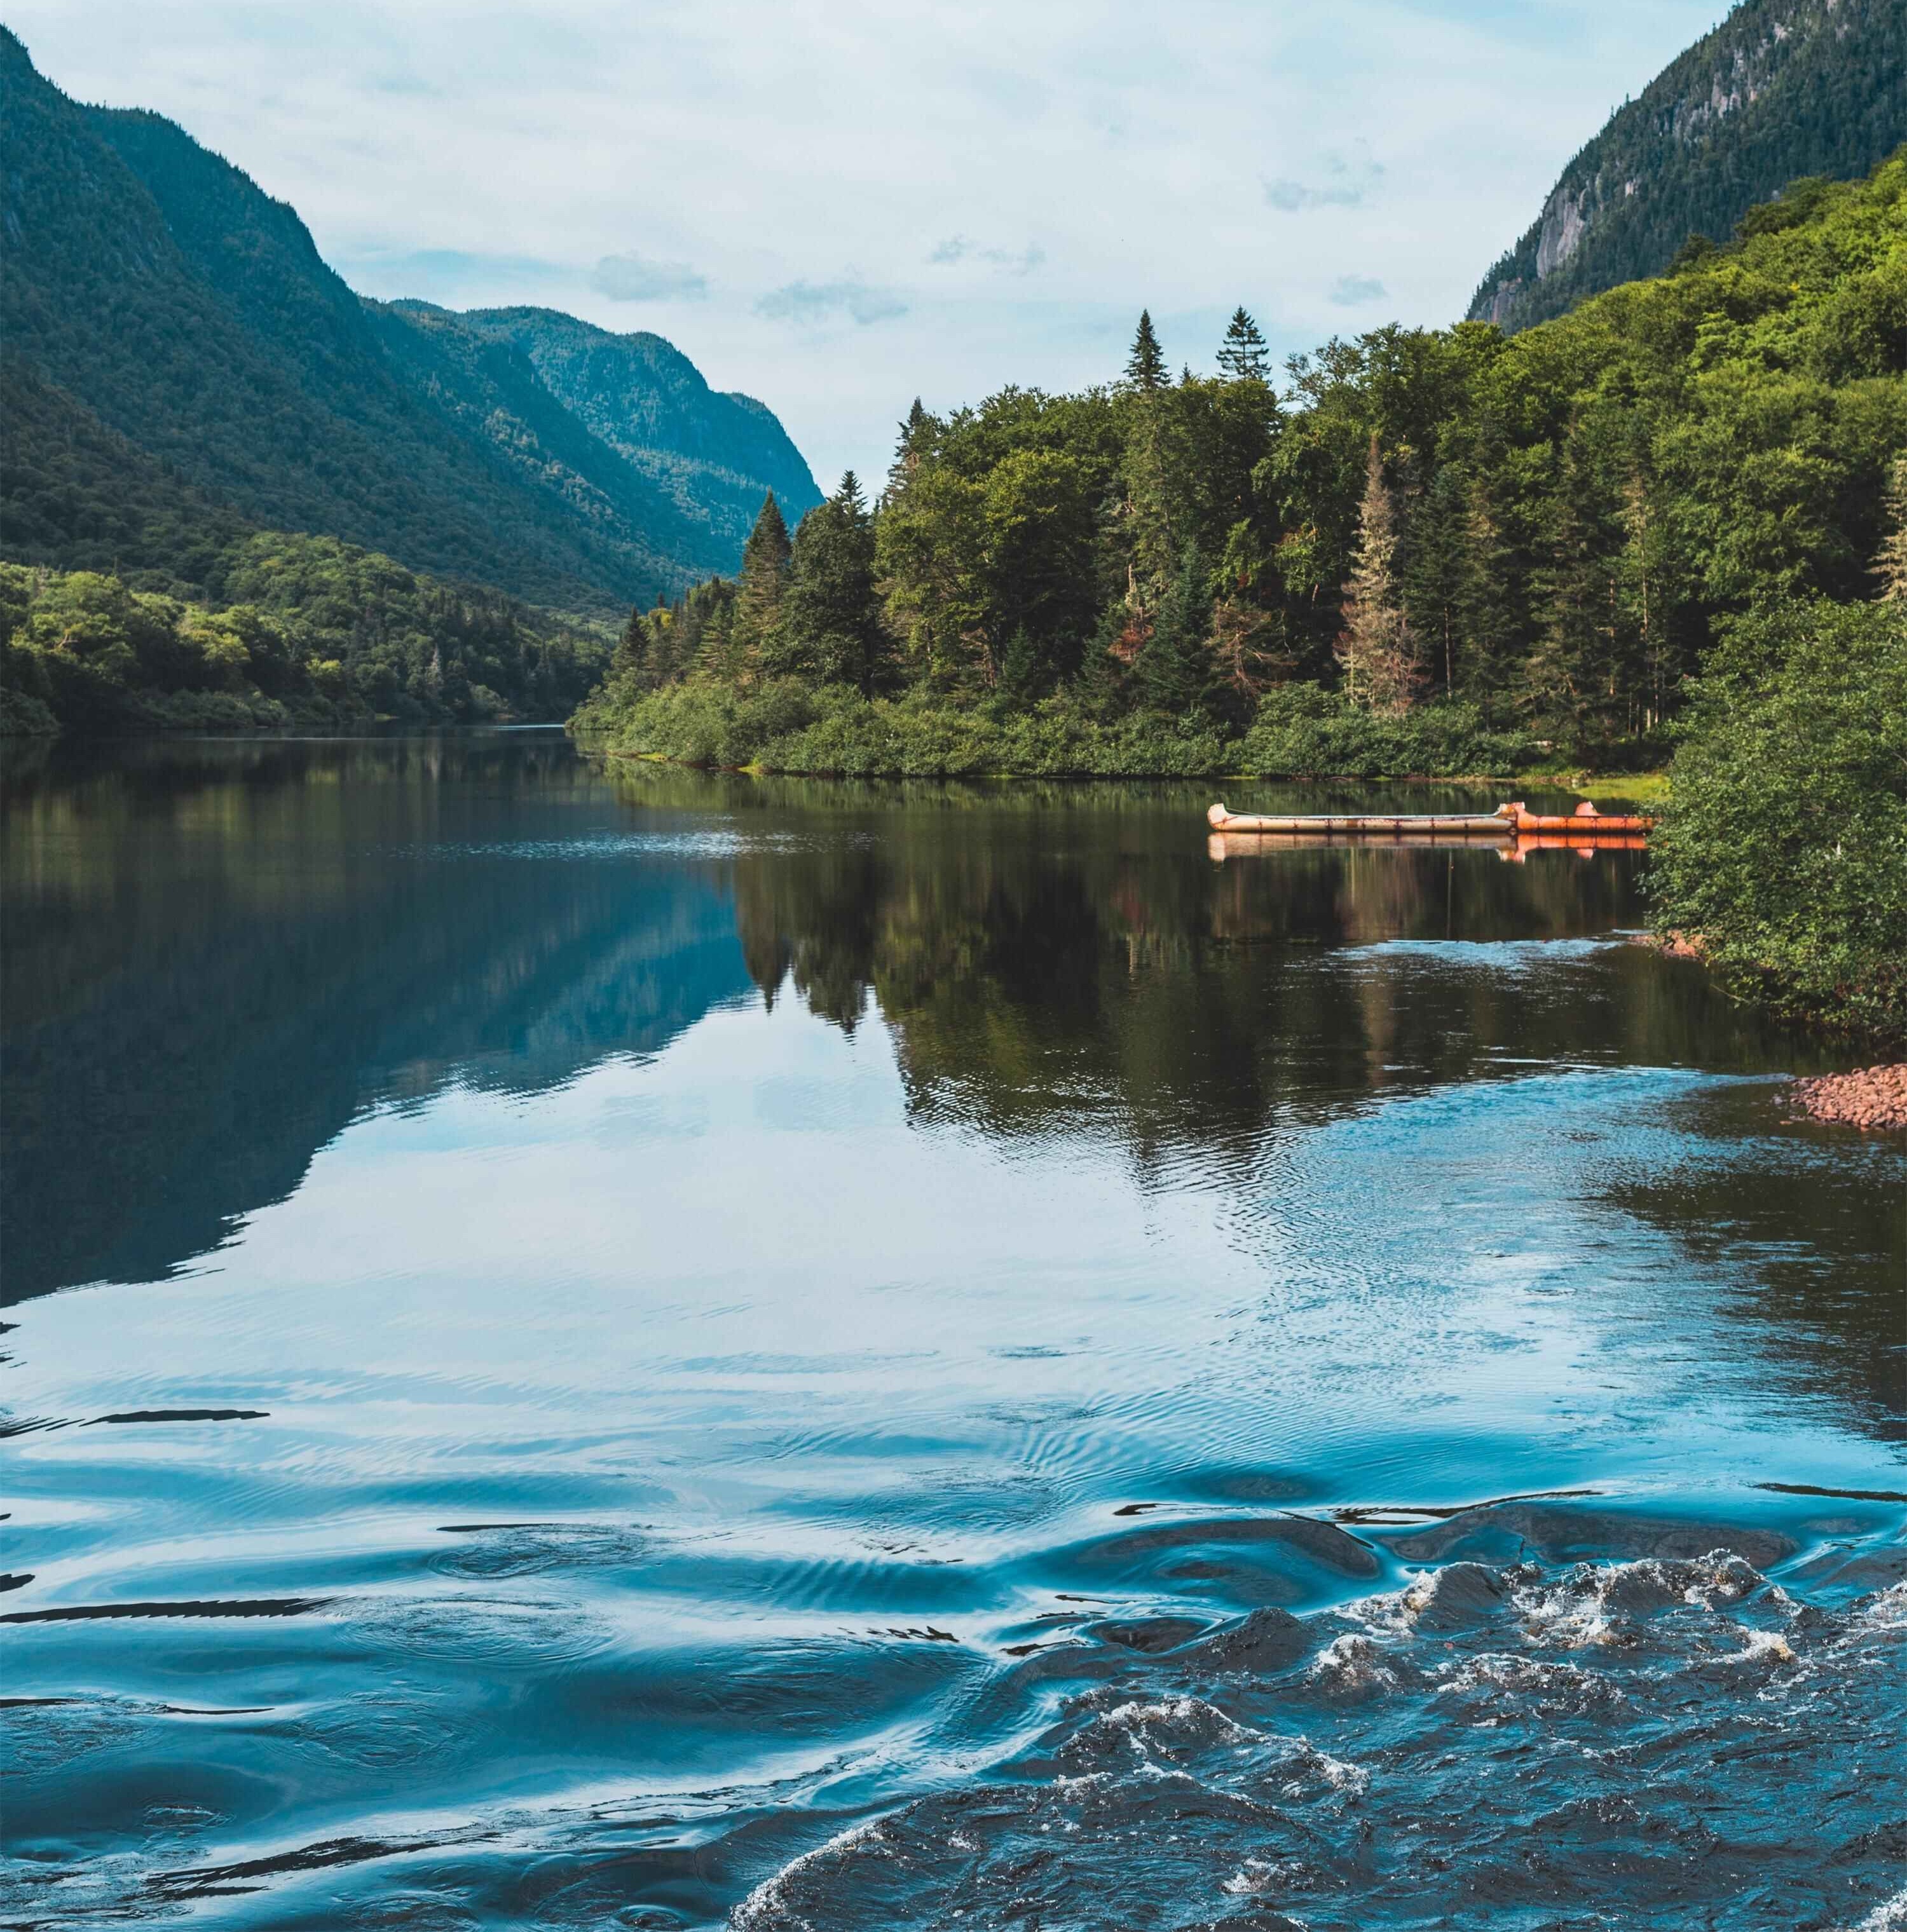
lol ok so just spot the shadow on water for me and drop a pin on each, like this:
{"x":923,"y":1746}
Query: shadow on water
{"x":219,"y":953}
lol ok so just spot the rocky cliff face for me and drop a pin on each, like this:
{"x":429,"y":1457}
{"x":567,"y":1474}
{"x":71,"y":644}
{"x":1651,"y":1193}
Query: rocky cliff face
{"x":1782,"y":89}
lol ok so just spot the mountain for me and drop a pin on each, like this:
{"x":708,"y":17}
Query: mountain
{"x":1781,"y":90}
{"x":153,"y":293}
{"x":711,"y":453}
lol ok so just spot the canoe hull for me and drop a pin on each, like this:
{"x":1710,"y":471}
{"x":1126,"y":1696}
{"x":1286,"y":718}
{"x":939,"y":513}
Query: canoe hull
{"x":1225,"y":845}
{"x":1507,"y":821}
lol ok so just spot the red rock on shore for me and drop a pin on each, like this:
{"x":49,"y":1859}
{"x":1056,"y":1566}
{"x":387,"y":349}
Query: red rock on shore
{"x":1874,"y":1098}
{"x":1672,"y":945}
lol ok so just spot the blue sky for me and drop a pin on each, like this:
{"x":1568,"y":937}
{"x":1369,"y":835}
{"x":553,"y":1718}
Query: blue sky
{"x":836,"y":205}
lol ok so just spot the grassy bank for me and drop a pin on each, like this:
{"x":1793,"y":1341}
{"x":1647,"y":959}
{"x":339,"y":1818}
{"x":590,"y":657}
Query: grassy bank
{"x":791,"y":725}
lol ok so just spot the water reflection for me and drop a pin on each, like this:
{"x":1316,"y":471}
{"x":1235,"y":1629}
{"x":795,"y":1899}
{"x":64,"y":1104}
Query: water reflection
{"x":704,"y":1311}
{"x":218,"y":954}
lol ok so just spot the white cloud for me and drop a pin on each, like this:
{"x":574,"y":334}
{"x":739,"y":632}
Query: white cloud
{"x":1012,"y":261}
{"x":1357,"y":291}
{"x":815,"y":303}
{"x":1346,"y":183}
{"x":625,"y":278}
{"x":448,"y":147}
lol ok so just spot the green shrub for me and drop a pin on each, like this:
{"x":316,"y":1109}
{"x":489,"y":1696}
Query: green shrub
{"x":1304,"y":730}
{"x":1784,"y":844}
{"x":787,"y":725}
{"x":23,"y":715}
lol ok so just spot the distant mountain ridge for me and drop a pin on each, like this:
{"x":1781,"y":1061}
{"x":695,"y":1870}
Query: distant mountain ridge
{"x":1781,"y":90}
{"x":152,"y":292}
{"x":713,"y":452}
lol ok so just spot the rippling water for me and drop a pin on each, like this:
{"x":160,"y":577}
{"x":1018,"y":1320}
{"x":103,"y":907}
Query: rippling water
{"x":643,"y":1349}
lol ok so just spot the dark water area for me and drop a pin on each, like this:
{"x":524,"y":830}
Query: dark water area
{"x":624,"y":1347}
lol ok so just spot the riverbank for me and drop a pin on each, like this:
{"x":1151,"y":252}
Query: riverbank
{"x":1874,"y":1099}
{"x":791,"y":727}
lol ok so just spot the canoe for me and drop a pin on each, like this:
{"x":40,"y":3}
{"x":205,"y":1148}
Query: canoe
{"x":1429,"y":825}
{"x":1585,"y":819}
{"x":1224,"y":845}
{"x":1507,"y":821}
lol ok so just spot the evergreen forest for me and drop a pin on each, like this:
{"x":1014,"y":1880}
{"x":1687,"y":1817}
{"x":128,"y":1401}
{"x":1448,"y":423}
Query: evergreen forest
{"x":1421,"y":550}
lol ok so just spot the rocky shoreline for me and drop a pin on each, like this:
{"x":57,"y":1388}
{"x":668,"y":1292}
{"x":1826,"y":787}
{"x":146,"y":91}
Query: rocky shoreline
{"x":1874,"y":1100}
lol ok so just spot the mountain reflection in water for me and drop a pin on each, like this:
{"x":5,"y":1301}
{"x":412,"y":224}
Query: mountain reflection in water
{"x":674,"y":1346}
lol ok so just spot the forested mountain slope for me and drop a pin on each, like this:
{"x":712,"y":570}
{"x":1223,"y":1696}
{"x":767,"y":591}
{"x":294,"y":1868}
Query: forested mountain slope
{"x":712,"y":453}
{"x":176,"y":305}
{"x":1781,"y":90}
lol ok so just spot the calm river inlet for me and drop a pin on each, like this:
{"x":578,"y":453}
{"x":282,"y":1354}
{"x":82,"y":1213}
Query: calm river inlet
{"x":608,"y":1346}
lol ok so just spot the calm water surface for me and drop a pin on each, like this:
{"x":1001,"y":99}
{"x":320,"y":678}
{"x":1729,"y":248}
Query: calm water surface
{"x":643,"y":1349}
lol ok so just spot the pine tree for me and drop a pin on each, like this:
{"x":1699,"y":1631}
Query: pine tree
{"x":1490,"y":620}
{"x":1145,"y":369}
{"x":631,"y":657}
{"x":1891,"y":562}
{"x":1376,"y":647}
{"x":1434,"y":572}
{"x":1151,"y":420}
{"x":1173,"y":667}
{"x":766,"y":558}
{"x":830,"y":626}
{"x":912,"y":447}
{"x":1563,"y":677}
{"x":1243,"y":356}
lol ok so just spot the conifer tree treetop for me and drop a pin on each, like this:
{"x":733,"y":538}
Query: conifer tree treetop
{"x":1242,"y":356}
{"x":1145,"y":369}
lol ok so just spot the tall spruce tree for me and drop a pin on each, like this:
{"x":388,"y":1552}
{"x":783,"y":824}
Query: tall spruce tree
{"x":1434,"y":573}
{"x":1145,"y":369}
{"x":1242,"y":355}
{"x":630,"y":659}
{"x":1150,"y":537}
{"x":1376,"y":647}
{"x":1174,"y":666}
{"x":766,"y":558}
{"x":913,"y":446}
{"x":830,"y":625}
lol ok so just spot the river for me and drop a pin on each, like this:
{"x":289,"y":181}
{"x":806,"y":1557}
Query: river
{"x":628,"y":1348}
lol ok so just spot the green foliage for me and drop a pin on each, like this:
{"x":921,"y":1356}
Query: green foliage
{"x":1538,"y":536}
{"x":1301,"y":730}
{"x":1145,"y":369}
{"x":318,"y":634}
{"x":1242,"y":355}
{"x":767,"y":558}
{"x":789,"y":724}
{"x":829,"y":625}
{"x":1781,"y":90}
{"x":1785,"y":844}
{"x":156,"y":299}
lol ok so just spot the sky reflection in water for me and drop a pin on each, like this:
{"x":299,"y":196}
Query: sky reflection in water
{"x":774,"y":1302}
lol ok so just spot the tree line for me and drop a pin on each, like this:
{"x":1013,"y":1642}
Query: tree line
{"x":1551,"y":530}
{"x":316,"y":633}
